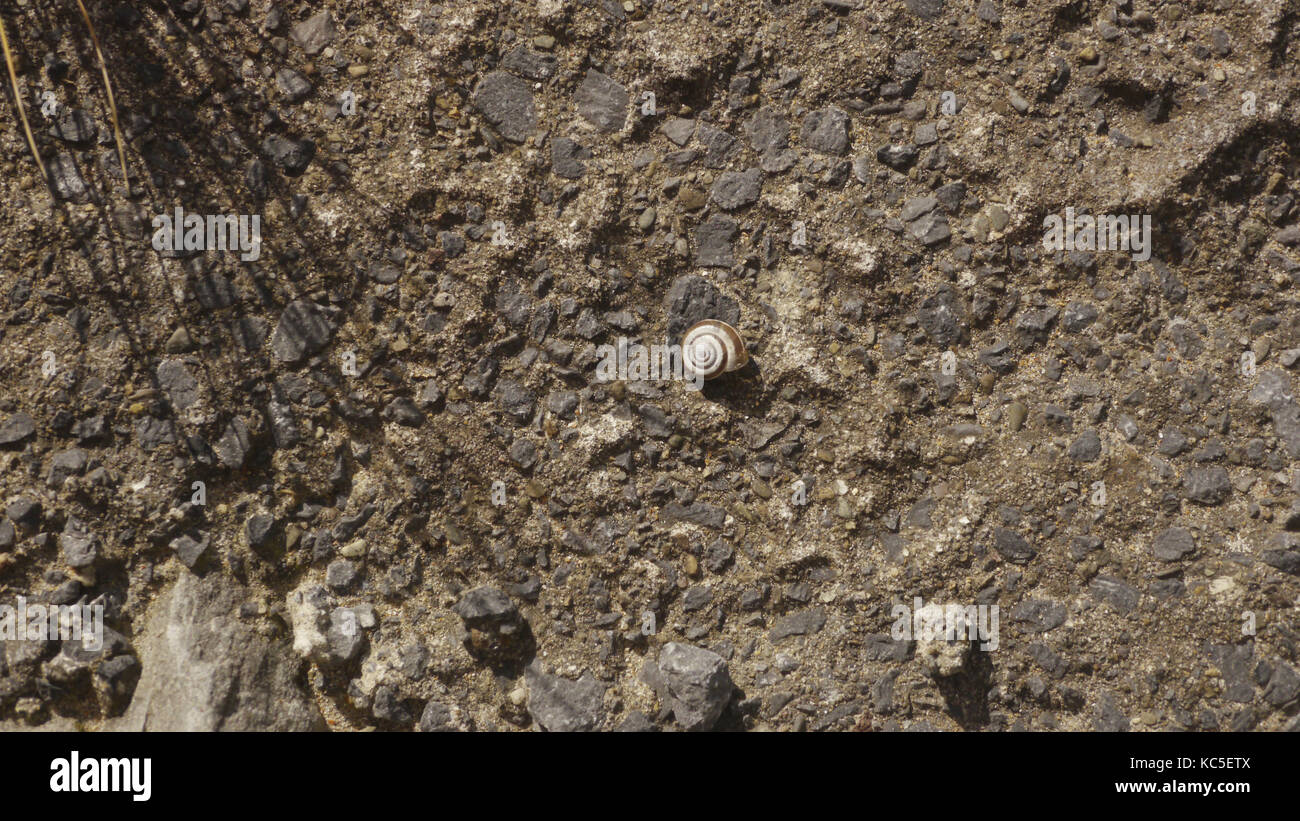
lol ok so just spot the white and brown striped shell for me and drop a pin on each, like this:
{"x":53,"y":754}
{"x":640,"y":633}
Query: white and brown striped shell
{"x":712,"y":348}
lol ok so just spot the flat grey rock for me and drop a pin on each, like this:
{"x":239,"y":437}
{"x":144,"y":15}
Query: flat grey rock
{"x":506,"y":102}
{"x":205,"y":670}
{"x":561,"y":705}
{"x":736,"y":189}
{"x":313,"y":34}
{"x":302,"y":331}
{"x":602,"y":101}
{"x":693,"y":682}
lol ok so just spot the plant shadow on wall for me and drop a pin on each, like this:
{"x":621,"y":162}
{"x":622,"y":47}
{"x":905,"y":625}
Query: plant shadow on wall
{"x":196,"y":138}
{"x":191,"y":133}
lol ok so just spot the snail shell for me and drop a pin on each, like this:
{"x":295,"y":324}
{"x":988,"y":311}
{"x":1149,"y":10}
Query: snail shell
{"x":712,"y":348}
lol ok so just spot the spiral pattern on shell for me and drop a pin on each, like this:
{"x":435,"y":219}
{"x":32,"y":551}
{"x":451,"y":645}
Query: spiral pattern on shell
{"x":706,"y":354}
{"x":712,"y":348}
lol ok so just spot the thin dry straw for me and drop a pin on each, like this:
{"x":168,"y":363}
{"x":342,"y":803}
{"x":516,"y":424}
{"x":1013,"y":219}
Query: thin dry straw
{"x":108,"y":86}
{"x":18,"y":99}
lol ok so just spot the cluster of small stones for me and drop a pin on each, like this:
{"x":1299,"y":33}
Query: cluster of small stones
{"x":376,"y":463}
